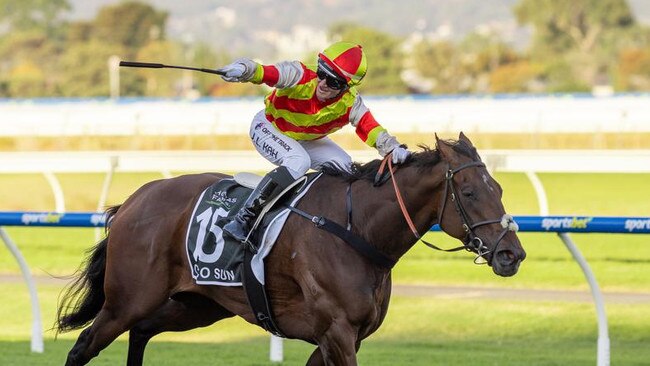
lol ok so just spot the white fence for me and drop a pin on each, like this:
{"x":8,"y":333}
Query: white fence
{"x":618,"y":161}
{"x":506,"y":114}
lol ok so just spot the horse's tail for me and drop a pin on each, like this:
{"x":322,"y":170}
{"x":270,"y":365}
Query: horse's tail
{"x":84,"y":297}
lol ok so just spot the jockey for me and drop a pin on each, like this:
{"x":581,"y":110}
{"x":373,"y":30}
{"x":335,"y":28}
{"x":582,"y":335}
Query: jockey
{"x":307,"y":104}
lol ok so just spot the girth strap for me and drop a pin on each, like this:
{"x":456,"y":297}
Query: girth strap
{"x":258,"y":299}
{"x":356,"y":242}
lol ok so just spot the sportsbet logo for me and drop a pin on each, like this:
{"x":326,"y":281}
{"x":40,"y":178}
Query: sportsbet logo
{"x":637,"y":224}
{"x":566,"y":223}
{"x":43,"y":218}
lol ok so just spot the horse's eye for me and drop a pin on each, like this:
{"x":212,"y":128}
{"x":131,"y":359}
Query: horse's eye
{"x":468,"y":193}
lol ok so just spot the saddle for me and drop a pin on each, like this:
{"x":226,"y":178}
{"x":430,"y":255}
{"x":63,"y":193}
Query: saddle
{"x":217,"y":259}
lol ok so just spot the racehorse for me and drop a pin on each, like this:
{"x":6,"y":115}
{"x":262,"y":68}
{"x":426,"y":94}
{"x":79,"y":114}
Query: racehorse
{"x":321,"y":290}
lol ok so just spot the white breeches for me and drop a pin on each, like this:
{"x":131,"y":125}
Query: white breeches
{"x":296,"y":156}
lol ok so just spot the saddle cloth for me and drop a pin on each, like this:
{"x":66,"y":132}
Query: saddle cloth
{"x":215,"y":258}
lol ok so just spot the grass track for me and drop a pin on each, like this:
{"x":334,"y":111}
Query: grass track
{"x":417,"y":330}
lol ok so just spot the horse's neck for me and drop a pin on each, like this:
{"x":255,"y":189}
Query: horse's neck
{"x":385,"y":225}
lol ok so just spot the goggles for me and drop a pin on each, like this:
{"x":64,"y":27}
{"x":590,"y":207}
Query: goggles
{"x":332,"y":80}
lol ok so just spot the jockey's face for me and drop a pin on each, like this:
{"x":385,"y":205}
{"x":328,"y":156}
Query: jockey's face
{"x":324,"y":92}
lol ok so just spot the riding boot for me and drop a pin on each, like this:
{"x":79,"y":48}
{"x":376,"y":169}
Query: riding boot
{"x":272,"y":184}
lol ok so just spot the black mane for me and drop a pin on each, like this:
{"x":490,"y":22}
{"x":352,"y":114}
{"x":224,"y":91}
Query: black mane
{"x":424,"y":160}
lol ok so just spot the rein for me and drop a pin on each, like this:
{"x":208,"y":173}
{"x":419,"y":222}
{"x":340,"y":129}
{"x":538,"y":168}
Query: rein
{"x":475,"y":243}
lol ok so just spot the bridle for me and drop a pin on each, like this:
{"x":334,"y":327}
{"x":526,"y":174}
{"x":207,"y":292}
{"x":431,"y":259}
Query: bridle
{"x":474,"y":243}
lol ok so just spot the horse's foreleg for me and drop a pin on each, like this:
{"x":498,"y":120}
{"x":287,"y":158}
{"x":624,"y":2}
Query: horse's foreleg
{"x":316,"y":358}
{"x":337,"y":346}
{"x":187,"y":312}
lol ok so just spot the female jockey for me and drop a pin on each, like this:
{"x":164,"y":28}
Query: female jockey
{"x":307,"y":104}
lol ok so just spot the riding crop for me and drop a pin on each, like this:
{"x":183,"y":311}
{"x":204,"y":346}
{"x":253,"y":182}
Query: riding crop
{"x":150,"y":65}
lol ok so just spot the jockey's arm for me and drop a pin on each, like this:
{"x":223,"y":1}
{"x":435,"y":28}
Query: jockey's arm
{"x":284,"y":74}
{"x":369,"y":130}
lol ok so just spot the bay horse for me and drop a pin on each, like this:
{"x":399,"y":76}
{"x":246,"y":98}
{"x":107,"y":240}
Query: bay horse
{"x":321,"y":290}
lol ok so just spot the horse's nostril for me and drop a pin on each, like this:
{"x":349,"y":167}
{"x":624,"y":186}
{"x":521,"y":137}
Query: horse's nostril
{"x":506,"y":257}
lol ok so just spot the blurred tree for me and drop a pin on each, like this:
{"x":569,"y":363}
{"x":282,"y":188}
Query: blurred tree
{"x":161,"y":83}
{"x":127,"y":30}
{"x":584,"y":33}
{"x":562,"y":26}
{"x":464,"y":67}
{"x":26,"y":80}
{"x":30,"y":43}
{"x":85,"y":69}
{"x":439,"y":62}
{"x":22,"y":51}
{"x":43,"y":15}
{"x":130,"y":24}
{"x":633,"y":73}
{"x":384,"y":55}
{"x":205,"y":57}
{"x":484,"y":53}
{"x":559,"y":76}
{"x":516,"y":77}
{"x":79,"y":31}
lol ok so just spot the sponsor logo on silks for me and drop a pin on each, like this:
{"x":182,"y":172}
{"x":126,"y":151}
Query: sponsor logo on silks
{"x":277,"y":139}
{"x":637,"y":224}
{"x":41,"y":218}
{"x":566,"y":223}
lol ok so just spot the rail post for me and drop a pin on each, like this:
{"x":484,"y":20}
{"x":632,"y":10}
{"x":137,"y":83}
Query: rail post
{"x":603,"y":333}
{"x":37,"y":325}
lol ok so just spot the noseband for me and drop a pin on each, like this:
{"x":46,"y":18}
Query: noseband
{"x":474,"y":243}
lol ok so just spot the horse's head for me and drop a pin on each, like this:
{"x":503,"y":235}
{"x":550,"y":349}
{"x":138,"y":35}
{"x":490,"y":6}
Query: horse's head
{"x":472,"y":211}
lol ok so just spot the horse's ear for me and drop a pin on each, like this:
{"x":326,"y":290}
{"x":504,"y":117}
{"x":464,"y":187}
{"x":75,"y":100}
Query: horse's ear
{"x":465,"y":139}
{"x":443,"y":148}
{"x":462,"y":137}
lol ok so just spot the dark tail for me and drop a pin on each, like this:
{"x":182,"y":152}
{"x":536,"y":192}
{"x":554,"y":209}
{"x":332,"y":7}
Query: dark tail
{"x":84,"y":297}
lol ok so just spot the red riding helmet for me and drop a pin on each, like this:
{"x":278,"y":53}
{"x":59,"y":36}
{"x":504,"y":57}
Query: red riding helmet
{"x":346,"y":59}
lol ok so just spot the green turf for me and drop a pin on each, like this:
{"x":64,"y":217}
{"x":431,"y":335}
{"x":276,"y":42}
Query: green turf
{"x":418,"y":330}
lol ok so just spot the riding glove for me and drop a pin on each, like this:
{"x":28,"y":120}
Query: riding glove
{"x":400,"y":154}
{"x":240,"y":70}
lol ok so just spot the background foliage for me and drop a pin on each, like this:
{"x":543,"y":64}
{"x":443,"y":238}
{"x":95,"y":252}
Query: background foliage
{"x":575,"y":46}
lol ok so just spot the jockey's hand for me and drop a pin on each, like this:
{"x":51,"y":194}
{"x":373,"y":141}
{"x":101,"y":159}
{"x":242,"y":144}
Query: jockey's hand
{"x":241,"y":70}
{"x":400,"y":154}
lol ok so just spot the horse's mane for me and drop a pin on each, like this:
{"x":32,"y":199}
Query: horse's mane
{"x":423,"y":160}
